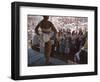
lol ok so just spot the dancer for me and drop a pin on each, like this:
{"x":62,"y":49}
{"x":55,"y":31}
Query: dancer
{"x":47,"y":28}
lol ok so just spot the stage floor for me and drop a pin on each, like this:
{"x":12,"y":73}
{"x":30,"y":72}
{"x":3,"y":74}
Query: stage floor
{"x":37,"y":59}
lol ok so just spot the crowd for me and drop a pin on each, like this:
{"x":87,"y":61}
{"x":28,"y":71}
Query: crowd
{"x":70,"y":43}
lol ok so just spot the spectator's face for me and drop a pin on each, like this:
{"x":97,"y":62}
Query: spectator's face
{"x":46,"y":17}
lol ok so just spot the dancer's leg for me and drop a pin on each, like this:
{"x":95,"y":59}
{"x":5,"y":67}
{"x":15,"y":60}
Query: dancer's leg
{"x":48,"y":47}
